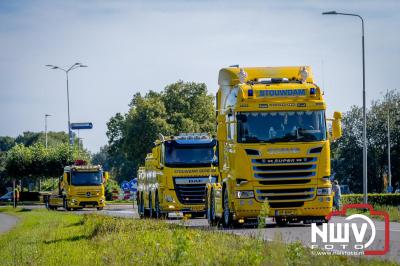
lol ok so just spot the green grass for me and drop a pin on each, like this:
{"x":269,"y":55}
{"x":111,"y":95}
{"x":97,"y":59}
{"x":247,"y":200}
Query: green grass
{"x":393,"y":211}
{"x":59,"y":238}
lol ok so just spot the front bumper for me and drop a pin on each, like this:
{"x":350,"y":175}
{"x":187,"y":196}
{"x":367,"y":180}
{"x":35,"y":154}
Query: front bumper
{"x":320,"y":206}
{"x":77,"y":202}
{"x":173,"y":204}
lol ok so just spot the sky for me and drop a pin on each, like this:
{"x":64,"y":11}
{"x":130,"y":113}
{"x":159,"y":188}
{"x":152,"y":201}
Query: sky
{"x":137,"y":46}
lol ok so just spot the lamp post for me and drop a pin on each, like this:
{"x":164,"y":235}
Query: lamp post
{"x":45,"y":126}
{"x":365,"y":180}
{"x":74,"y":66}
{"x":389,"y":189}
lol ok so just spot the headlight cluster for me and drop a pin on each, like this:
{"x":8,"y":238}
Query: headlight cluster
{"x":324,"y":191}
{"x":169,"y":198}
{"x":74,"y":201}
{"x":244,"y":194}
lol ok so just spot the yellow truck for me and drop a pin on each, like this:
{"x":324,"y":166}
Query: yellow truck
{"x":273,"y":143}
{"x":175,"y":175}
{"x":80,"y":186}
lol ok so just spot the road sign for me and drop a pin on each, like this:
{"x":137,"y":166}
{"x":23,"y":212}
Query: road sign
{"x":84,"y":125}
{"x":125,"y":185}
{"x":133,"y":185}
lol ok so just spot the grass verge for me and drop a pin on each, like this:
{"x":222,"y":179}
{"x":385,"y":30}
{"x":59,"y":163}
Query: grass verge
{"x":59,"y":238}
{"x":393,"y":211}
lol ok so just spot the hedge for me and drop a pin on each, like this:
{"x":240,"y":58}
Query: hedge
{"x":388,"y":199}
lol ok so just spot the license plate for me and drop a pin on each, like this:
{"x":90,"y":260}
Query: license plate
{"x":175,"y":215}
{"x":285,"y":212}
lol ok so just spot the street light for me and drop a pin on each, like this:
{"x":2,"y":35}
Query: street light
{"x":45,"y":126}
{"x":74,"y":66}
{"x":389,"y":189}
{"x":364,"y":112}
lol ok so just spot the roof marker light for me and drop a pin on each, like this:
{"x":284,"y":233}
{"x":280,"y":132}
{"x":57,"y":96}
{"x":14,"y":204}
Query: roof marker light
{"x":242,"y":75}
{"x":250,"y":92}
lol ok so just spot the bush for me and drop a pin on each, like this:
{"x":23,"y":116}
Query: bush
{"x":373,"y":199}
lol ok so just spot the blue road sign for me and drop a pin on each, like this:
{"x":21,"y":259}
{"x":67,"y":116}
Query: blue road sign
{"x":133,"y":185}
{"x":125,"y":185}
{"x":85,"y":125}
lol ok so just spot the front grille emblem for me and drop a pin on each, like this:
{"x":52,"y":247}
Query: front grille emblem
{"x":88,"y":194}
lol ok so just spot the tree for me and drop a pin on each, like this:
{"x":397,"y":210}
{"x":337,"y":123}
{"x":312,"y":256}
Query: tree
{"x":347,"y":151}
{"x":180,"y":107}
{"x":36,"y":161}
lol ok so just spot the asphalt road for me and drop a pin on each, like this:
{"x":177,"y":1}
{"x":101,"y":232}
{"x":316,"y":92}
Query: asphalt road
{"x":290,"y":233}
{"x":7,"y":222}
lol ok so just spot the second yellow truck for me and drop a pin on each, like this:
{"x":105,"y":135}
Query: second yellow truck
{"x":175,"y":175}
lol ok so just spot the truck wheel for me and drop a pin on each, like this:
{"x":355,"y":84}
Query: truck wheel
{"x":99,"y":208}
{"x":281,"y":221}
{"x":141,"y":206}
{"x":211,"y":209}
{"x":157,"y":213}
{"x":150,"y":207}
{"x":65,"y":205}
{"x":227,"y":220}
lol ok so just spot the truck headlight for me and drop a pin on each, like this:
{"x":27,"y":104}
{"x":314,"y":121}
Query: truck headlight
{"x":74,"y":201}
{"x":169,"y":198}
{"x":244,"y":194}
{"x":324,"y":191}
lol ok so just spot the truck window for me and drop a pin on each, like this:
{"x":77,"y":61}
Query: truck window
{"x":192,"y":155}
{"x":292,"y":126}
{"x":87,"y":178}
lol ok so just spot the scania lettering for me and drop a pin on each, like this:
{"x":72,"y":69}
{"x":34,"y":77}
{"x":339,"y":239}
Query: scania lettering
{"x":175,"y":175}
{"x":273,"y":147}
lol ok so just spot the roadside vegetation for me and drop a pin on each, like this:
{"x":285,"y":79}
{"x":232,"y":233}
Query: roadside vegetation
{"x":393,"y":211}
{"x":60,"y":238}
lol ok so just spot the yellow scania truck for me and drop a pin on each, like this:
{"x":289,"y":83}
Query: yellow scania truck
{"x":174,"y":178}
{"x":80,"y":186}
{"x":273,"y":147}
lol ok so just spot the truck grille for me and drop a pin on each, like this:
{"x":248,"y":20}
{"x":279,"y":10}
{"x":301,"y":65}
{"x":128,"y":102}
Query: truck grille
{"x":88,"y":193}
{"x":287,"y":195}
{"x":189,"y":192}
{"x":284,"y":171}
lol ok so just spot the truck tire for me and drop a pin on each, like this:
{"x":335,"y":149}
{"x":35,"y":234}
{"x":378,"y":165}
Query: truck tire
{"x":141,"y":206}
{"x":227,"y":215}
{"x":65,"y":204}
{"x":99,"y":208}
{"x":150,"y":207}
{"x":211,"y":209}
{"x":281,"y":221}
{"x":157,"y":212}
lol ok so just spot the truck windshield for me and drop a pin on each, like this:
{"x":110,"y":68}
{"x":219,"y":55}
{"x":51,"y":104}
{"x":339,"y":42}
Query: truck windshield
{"x":294,"y":126}
{"x":86,"y":178}
{"x":189,"y":155}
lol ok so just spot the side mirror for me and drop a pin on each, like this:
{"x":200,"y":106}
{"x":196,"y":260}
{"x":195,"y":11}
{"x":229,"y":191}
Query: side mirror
{"x":337,"y":125}
{"x":221,"y":128}
{"x":221,"y":119}
{"x":106,"y":175}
